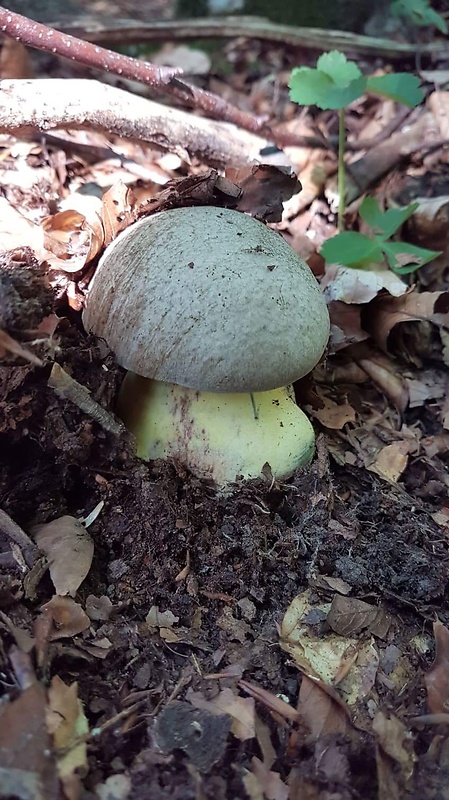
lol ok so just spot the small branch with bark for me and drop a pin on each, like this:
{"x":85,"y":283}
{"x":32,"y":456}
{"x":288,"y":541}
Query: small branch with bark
{"x":33,"y":106}
{"x":129,"y":31}
{"x":161,"y":79}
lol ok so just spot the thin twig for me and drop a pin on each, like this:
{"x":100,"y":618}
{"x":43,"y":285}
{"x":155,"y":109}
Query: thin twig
{"x":128,"y":31}
{"x":67,"y":388}
{"x":28,"y":107}
{"x":15,"y":532}
{"x":161,"y":79}
{"x":49,"y":40}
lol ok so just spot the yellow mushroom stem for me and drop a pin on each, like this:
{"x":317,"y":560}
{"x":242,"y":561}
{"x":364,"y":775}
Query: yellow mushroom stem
{"x":219,"y":437}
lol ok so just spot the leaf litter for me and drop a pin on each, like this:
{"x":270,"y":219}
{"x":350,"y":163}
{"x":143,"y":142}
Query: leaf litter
{"x":274,"y":644}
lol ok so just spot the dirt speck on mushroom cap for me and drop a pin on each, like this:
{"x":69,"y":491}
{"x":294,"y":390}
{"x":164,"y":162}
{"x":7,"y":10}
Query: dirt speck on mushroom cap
{"x":210,"y":299}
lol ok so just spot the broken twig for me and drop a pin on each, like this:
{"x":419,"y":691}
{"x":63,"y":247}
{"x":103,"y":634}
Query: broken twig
{"x":41,"y":105}
{"x":161,"y":79}
{"x":68,"y":388}
{"x":130,"y":31}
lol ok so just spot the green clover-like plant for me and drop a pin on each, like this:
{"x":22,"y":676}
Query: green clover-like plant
{"x":334,"y":83}
{"x":356,"y":250}
{"x":420,"y":13}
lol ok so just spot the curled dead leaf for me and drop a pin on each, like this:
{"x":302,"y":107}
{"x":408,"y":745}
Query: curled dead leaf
{"x":391,"y":460}
{"x":388,"y":315}
{"x":67,"y":723}
{"x":240,"y":709}
{"x":69,"y":550}
{"x":71,"y":241}
{"x":437,"y":678}
{"x":333,"y":415}
{"x":67,"y":616}
{"x":118,"y":210}
{"x":360,"y":285}
{"x":382,"y":372}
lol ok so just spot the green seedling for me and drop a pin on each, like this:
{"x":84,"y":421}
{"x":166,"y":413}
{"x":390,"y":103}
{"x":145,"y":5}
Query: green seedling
{"x":336,"y":82}
{"x":419,"y":13}
{"x":359,"y":251}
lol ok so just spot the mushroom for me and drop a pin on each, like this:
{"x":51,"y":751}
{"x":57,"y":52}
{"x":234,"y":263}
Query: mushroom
{"x":215,"y":317}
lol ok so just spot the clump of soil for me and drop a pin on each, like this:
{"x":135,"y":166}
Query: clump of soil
{"x":225,"y":566}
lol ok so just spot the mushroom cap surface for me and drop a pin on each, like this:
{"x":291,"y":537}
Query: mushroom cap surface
{"x":210,"y":299}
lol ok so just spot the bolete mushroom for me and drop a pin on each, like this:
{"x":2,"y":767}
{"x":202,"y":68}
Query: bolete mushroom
{"x":215,"y":316}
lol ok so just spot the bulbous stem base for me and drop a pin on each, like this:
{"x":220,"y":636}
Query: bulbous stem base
{"x":219,"y":437}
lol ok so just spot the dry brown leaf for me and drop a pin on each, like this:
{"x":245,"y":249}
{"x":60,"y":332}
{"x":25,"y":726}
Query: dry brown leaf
{"x":18,"y":231}
{"x":335,"y":584}
{"x":68,"y":617}
{"x":322,"y":715}
{"x":69,"y":550}
{"x":430,"y":385}
{"x":359,"y":286}
{"x":348,"y":531}
{"x":98,"y":648}
{"x":156,"y":619}
{"x":394,"y":756}
{"x":396,"y":741}
{"x":391,"y":461}
{"x":328,"y":657}
{"x":383,"y":157}
{"x":348,"y":615}
{"x":263,"y":736}
{"x":264,"y":189}
{"x":437,"y":678}
{"x":70,"y":240}
{"x":236,"y":628}
{"x":66,"y":722}
{"x":241,"y":709}
{"x":418,"y":307}
{"x":98,"y":608}
{"x":382,"y":372}
{"x":118,"y":210}
{"x":273,"y":703}
{"x":14,"y":60}
{"x":429,"y":223}
{"x":27,"y":764}
{"x":334,"y":415}
{"x":263,"y":783}
{"x":346,"y":326}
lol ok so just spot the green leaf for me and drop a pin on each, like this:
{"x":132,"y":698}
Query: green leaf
{"x":406,"y":258}
{"x":371,"y":213}
{"x":420,"y":13}
{"x":310,"y":87}
{"x":341,"y":71}
{"x":386,"y":221}
{"x":351,"y":249}
{"x":400,"y":86}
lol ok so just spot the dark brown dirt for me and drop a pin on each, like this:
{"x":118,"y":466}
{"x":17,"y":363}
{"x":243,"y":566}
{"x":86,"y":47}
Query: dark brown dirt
{"x":259,"y":544}
{"x":225,"y":566}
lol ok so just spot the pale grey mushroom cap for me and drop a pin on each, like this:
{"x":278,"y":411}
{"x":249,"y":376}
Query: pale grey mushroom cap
{"x":210,"y":299}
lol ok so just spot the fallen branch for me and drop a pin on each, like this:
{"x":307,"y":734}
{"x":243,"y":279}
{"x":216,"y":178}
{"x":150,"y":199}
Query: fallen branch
{"x":160,"y":79}
{"x":67,"y":388}
{"x":128,"y":31}
{"x":42,"y":105}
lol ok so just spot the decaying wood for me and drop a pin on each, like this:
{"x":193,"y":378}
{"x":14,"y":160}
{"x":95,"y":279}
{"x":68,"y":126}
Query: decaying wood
{"x":128,"y":31}
{"x":43,"y":105}
{"x":67,"y":388}
{"x":369,"y":169}
{"x":161,"y":79}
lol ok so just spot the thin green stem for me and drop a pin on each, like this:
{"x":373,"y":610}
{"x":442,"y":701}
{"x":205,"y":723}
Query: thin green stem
{"x":341,"y":167}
